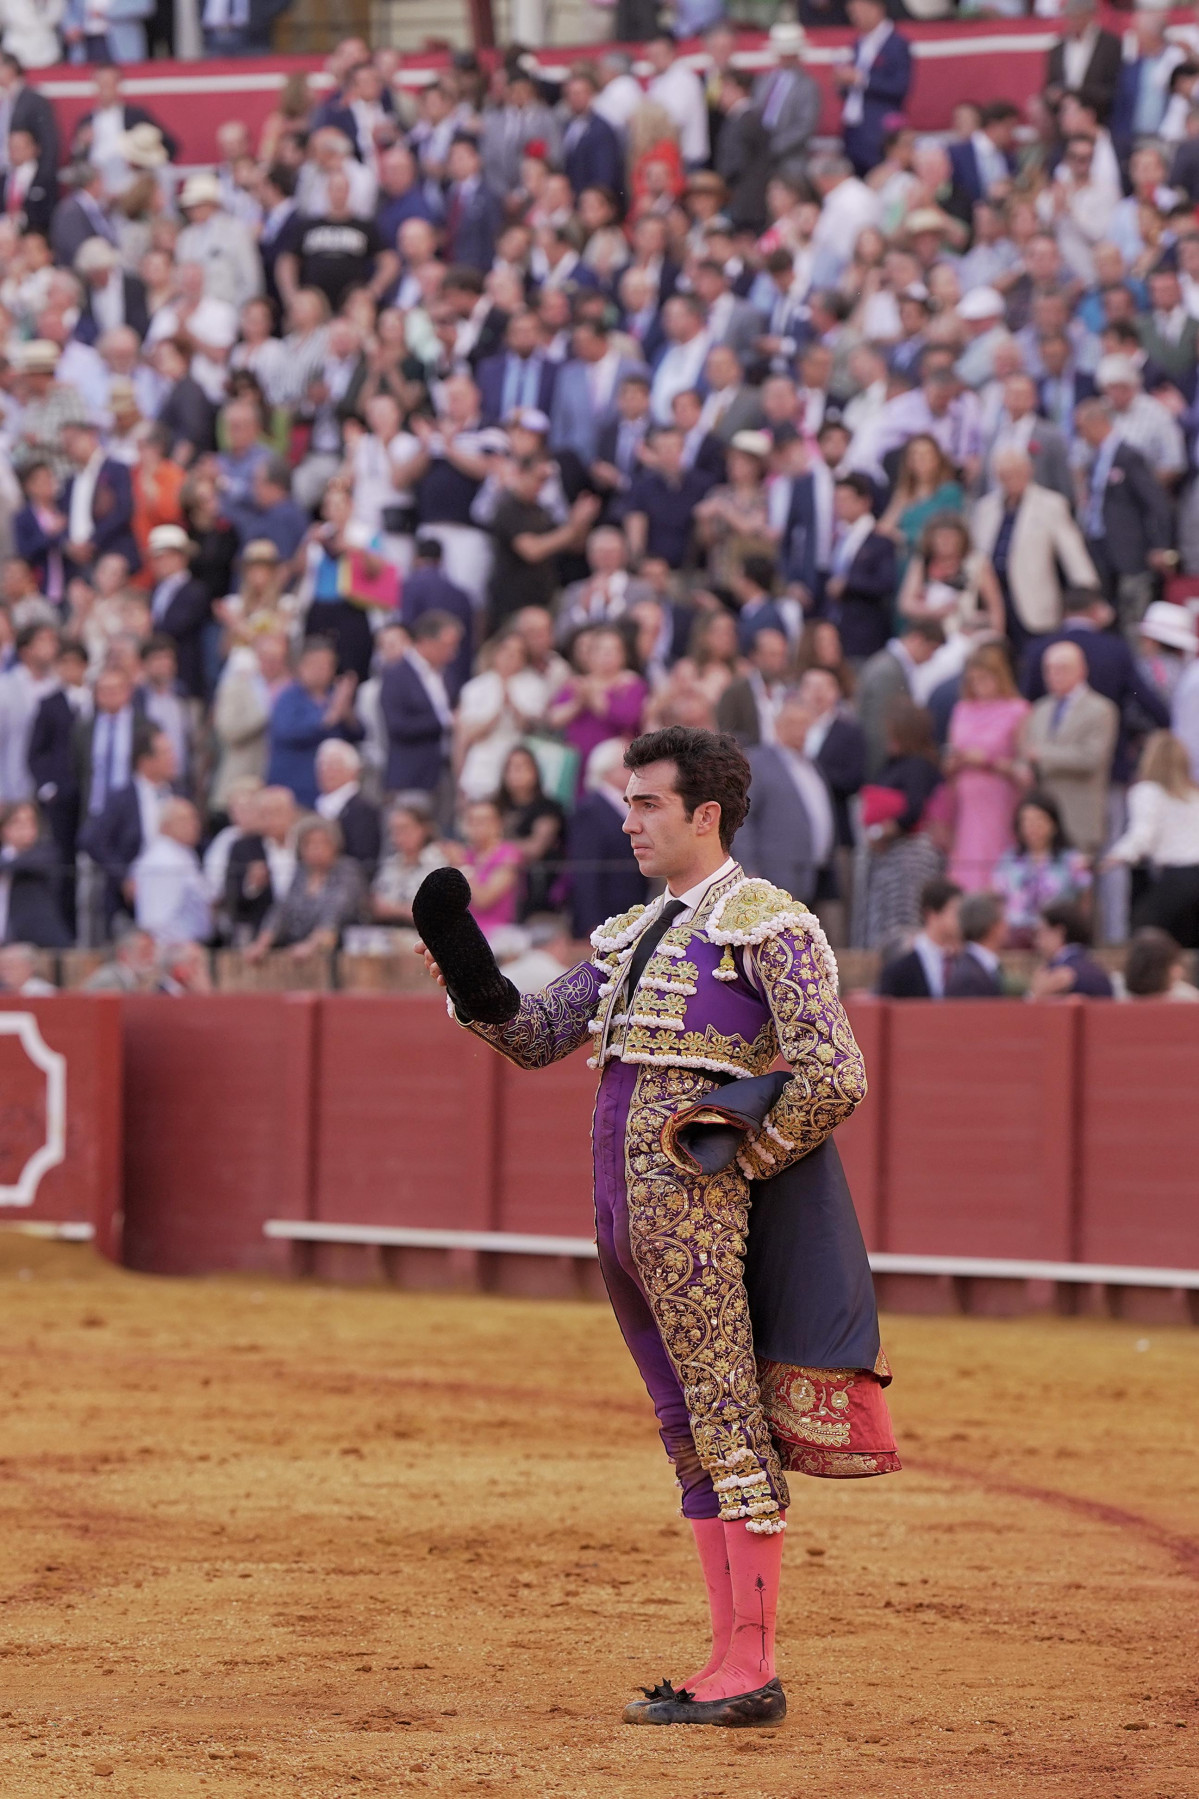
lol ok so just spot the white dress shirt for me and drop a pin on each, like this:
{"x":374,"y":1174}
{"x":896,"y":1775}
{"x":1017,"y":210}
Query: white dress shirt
{"x":170,"y":895}
{"x":681,"y":93}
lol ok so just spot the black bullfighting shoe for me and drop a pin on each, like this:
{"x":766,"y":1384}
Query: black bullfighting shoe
{"x":743,"y":1711}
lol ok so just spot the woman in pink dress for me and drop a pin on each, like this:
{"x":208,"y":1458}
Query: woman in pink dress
{"x":604,"y":699}
{"x":982,"y":765}
{"x":492,"y":866}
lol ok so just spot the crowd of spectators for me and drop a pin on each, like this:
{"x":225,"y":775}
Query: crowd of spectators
{"x":362,"y":496}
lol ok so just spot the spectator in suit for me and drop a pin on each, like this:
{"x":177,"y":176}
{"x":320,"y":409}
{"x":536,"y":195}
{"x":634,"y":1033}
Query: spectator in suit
{"x":602,"y":867}
{"x":890,"y":676}
{"x":22,"y":108}
{"x":860,"y":590}
{"x":743,"y":152}
{"x":591,"y":153}
{"x":1069,"y":739}
{"x":112,"y":296}
{"x":873,"y":83}
{"x":1085,"y":61}
{"x":40,"y":529}
{"x":317,"y":704}
{"x":23,"y":198}
{"x":80,"y":214}
{"x":836,"y":743}
{"x":586,"y":389}
{"x":170,"y":897}
{"x":977,"y":972}
{"x":180,"y":604}
{"x":340,"y":797}
{"x":1062,"y":386}
{"x":621,"y":439}
{"x":115,"y":835}
{"x":1019,"y":428}
{"x":922,"y":971}
{"x":327,"y":893}
{"x":1027,"y":533}
{"x":416,"y":710}
{"x":103,"y":743}
{"x":29,"y":884}
{"x":790,"y":832}
{"x":474,"y":215}
{"x":749,"y":706}
{"x":23,"y":687}
{"x":97,"y":501}
{"x":787,"y":101}
{"x":97,"y":131}
{"x":262,"y":863}
{"x":429,"y":589}
{"x":1112,"y":670}
{"x":521,"y":377}
{"x":984,"y":164}
{"x":53,"y":765}
{"x":1063,"y":940}
{"x":1126,"y":517}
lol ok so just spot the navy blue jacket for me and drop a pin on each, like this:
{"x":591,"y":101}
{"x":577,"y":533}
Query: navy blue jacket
{"x":798,"y":549}
{"x":52,"y":760}
{"x":963,"y":160}
{"x":472,"y":226}
{"x":490,"y":376}
{"x":112,"y":513}
{"x":604,"y":876}
{"x":885,"y":92}
{"x":296,"y":731}
{"x":113,"y":839}
{"x":863,"y":613}
{"x":904,"y":978}
{"x":33,"y":545}
{"x":137,"y":315}
{"x":595,"y":160}
{"x":184,"y":621}
{"x":842,"y":762}
{"x":33,"y":910}
{"x":429,"y":590}
{"x":415,"y":736}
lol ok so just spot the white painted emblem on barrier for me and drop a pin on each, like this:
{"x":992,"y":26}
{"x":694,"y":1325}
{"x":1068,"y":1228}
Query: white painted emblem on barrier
{"x":54,"y":1066}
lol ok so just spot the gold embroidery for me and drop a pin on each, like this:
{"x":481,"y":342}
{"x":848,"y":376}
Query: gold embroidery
{"x":688,"y":1240}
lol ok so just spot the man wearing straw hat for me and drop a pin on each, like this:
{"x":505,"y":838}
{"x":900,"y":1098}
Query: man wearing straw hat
{"x":788,"y":100}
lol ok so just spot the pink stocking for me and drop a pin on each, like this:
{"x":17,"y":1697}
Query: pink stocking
{"x":714,"y":1560}
{"x":755,"y":1565}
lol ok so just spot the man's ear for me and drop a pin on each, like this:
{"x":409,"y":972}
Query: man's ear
{"x":707,"y":817}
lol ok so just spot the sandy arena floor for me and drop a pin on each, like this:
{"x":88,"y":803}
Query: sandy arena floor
{"x":273,"y":1539}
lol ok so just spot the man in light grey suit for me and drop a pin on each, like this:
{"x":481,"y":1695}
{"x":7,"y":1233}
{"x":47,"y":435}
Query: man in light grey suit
{"x":731,"y":404}
{"x":789,"y":834}
{"x":586,"y":390}
{"x":731,"y":321}
{"x":1019,"y":428}
{"x":1069,"y":738}
{"x":788,"y":100}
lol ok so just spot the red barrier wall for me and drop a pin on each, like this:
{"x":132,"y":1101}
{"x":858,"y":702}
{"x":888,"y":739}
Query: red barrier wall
{"x":405,"y":1116}
{"x":980,"y":1130}
{"x":218,"y":1128}
{"x":1058,"y":1132}
{"x":84,"y":1187}
{"x":1139,"y":1137}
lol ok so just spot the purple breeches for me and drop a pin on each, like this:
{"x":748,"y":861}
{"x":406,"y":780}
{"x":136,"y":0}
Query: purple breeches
{"x":627,"y":1293}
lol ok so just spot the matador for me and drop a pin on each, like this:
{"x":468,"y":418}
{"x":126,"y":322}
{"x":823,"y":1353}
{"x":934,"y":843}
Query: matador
{"x":726,"y":1235}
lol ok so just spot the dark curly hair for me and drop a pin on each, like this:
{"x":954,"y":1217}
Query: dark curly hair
{"x":709,"y":765}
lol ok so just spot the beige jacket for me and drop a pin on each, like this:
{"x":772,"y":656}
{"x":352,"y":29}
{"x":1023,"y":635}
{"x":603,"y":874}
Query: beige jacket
{"x":1074,"y":762}
{"x":240,"y":716}
{"x":1045,"y":535}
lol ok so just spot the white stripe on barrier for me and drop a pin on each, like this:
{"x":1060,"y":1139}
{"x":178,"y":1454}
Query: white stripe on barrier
{"x":403,"y":1236}
{"x":69,"y":1231}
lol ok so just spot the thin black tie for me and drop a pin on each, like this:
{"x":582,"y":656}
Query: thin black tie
{"x":649,"y":940}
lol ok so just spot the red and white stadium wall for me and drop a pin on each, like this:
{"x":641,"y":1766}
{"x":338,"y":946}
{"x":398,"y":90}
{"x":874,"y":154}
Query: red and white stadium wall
{"x":1007,"y":1155}
{"x":61,"y":1063}
{"x":995,"y":60}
